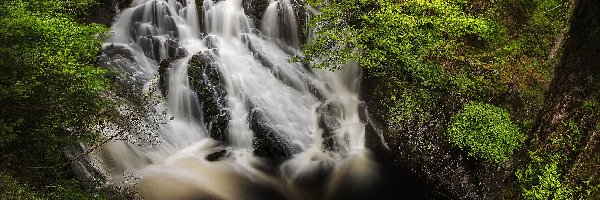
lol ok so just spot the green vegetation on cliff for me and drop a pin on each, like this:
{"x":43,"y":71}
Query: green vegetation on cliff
{"x":486,"y":131}
{"x":428,"y":59}
{"x":49,"y":92}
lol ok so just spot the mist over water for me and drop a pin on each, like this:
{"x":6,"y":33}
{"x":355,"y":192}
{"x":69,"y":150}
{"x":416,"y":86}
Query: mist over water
{"x":311,"y":117}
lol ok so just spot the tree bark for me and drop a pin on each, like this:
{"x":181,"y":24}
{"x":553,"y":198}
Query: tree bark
{"x":577,"y":79}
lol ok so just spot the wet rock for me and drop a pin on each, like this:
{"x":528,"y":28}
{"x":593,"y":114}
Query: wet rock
{"x":422,"y":150}
{"x":160,"y":47}
{"x":300,"y":14}
{"x":255,"y":9}
{"x":207,"y":82}
{"x":200,"y":11}
{"x":158,"y":21}
{"x":174,"y":49}
{"x":216,"y":155}
{"x":174,"y":52}
{"x":151,"y":46}
{"x":124,"y":67}
{"x":267,"y":138}
{"x":91,"y":175}
{"x":259,"y":56}
{"x":211,"y":41}
{"x":329,"y":115}
{"x":374,"y":137}
{"x":163,"y":75}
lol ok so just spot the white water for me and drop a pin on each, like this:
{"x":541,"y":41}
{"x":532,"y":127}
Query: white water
{"x":177,"y":167}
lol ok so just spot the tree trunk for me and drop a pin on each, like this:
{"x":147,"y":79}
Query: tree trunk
{"x":565,"y":125}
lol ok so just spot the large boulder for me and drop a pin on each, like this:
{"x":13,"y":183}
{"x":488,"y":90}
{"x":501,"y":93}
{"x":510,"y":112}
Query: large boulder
{"x":330,"y":114}
{"x":207,"y":81}
{"x":267,"y":140}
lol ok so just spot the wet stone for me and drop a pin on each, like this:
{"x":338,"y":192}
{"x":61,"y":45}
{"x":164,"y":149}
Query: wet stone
{"x":207,"y":82}
{"x":125,"y":69}
{"x":267,"y":140}
{"x":329,"y":115}
{"x":216,"y":155}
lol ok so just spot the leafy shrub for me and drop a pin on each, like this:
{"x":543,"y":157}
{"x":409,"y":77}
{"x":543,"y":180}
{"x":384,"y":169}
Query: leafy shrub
{"x":541,"y":179}
{"x":11,"y":189}
{"x":49,"y":91}
{"x":486,"y":131}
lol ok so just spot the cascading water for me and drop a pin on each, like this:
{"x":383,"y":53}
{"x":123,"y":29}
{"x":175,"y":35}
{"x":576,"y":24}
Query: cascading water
{"x":232,"y":95}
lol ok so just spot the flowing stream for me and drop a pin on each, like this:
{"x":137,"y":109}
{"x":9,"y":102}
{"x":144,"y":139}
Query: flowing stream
{"x":230,"y":117}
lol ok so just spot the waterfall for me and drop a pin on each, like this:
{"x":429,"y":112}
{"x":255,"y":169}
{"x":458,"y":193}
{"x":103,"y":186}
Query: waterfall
{"x":230,"y":117}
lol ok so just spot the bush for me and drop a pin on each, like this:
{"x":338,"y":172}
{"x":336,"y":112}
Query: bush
{"x":486,"y":131}
{"x":542,"y":179}
{"x":50,"y":92}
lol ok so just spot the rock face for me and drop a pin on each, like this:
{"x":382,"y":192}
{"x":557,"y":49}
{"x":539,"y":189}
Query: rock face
{"x":153,"y":48}
{"x":208,"y":83}
{"x":421,"y":149}
{"x":575,"y":84}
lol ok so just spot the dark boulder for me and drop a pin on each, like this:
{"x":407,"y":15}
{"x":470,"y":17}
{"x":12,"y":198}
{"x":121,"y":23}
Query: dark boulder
{"x":374,"y":137}
{"x":216,"y":155}
{"x":255,"y":9}
{"x":208,"y":83}
{"x":267,"y":138}
{"x":330,"y":114}
{"x":163,"y":75}
{"x":421,"y":149}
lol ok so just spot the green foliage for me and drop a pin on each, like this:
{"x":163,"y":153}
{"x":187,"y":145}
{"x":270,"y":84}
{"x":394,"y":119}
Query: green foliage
{"x":569,"y":139}
{"x":486,"y":131}
{"x":432,"y":56}
{"x":68,"y":189}
{"x":11,"y":189}
{"x":543,"y":178}
{"x":436,"y":53}
{"x":49,"y":89}
{"x":410,"y":44}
